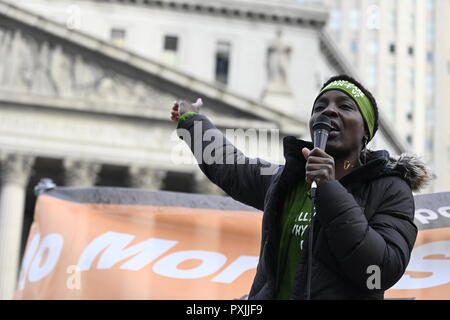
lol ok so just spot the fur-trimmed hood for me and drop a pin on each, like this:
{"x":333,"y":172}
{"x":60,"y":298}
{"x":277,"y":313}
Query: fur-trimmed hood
{"x":408,"y":166}
{"x":414,"y":170}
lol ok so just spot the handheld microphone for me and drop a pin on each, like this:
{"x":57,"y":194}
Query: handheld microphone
{"x":321,"y":129}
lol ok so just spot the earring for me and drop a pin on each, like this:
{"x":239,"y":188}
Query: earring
{"x":347,"y":164}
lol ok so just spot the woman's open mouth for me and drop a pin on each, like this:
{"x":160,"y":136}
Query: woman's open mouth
{"x":333,"y":133}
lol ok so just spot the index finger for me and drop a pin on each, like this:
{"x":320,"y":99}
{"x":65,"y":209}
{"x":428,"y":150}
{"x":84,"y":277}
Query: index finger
{"x":319,"y":153}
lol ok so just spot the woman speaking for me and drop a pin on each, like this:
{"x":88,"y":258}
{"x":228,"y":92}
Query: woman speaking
{"x":356,"y":241}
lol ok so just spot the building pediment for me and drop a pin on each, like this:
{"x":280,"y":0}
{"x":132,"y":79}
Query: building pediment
{"x":46,"y":64}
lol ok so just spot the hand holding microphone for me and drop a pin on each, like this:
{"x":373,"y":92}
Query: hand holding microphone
{"x":319,"y":165}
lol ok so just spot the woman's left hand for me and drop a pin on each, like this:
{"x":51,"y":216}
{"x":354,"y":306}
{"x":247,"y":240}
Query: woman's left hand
{"x":319,"y":166}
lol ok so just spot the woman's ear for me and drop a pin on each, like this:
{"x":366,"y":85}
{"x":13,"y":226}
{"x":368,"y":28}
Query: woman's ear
{"x":366,"y":136}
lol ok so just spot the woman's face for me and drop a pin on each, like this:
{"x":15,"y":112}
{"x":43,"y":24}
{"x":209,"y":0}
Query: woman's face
{"x":348,"y":125}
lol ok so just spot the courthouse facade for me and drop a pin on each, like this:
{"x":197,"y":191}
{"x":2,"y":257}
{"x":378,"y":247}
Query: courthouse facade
{"x":85,"y":112}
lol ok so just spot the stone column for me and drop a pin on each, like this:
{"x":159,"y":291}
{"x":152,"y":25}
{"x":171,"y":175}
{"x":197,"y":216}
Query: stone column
{"x":15,"y":173}
{"x":146,"y":178}
{"x":204,"y":186}
{"x":80,"y":173}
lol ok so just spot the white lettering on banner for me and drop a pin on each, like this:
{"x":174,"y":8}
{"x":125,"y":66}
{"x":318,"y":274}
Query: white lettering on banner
{"x":424,"y":216}
{"x":109,"y":248}
{"x":422,"y":261}
{"x":144,"y":252}
{"x":211,"y":262}
{"x":444,"y":211}
{"x":236,"y":269}
{"x":431,"y":259}
{"x":53,"y":243}
{"x":29,"y":254}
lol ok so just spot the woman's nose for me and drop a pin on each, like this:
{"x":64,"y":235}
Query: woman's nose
{"x":330,"y":110}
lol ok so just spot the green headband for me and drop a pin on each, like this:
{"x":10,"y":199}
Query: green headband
{"x":364,"y":104}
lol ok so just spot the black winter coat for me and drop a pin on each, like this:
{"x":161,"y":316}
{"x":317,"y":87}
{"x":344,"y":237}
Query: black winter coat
{"x":363,"y":220}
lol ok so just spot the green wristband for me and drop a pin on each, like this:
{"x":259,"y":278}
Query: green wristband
{"x":186,"y":116}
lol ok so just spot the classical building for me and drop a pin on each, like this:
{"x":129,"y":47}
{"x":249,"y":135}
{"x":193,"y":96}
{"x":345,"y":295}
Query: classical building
{"x":83,"y":111}
{"x":274,"y":52}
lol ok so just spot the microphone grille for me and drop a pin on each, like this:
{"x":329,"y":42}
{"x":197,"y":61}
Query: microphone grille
{"x":322,"y":122}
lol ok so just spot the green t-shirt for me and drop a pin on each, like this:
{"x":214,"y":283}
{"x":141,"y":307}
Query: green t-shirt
{"x":295,"y":220}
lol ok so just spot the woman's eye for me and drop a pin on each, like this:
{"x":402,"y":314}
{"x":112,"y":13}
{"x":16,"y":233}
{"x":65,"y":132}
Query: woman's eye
{"x":345,"y":106}
{"x":317,"y":108}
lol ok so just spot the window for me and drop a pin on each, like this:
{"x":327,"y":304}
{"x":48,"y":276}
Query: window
{"x":391,"y":109}
{"x":373,"y":17}
{"x":354,"y":46}
{"x":393,"y":21}
{"x":171,"y":43}
{"x":429,"y":84}
{"x":335,"y":19}
{"x":429,"y":116}
{"x":372,"y":75}
{"x":392,"y":48}
{"x":430,"y":4}
{"x":372,"y":47}
{"x":222,"y":61}
{"x":170,"y":49}
{"x":429,"y":145}
{"x":355,"y":18}
{"x":412,"y":75}
{"x":430,"y":56}
{"x":409,"y":116}
{"x":430,"y":30}
{"x":410,"y":109}
{"x":392,"y":76}
{"x":118,"y":37}
{"x":411,"y":50}
{"x":409,"y":139}
{"x":412,"y":22}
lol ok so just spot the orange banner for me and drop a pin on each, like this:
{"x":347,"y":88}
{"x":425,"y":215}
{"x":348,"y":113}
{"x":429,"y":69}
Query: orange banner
{"x":88,"y":248}
{"x":103,"y":251}
{"x":428,"y":273}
